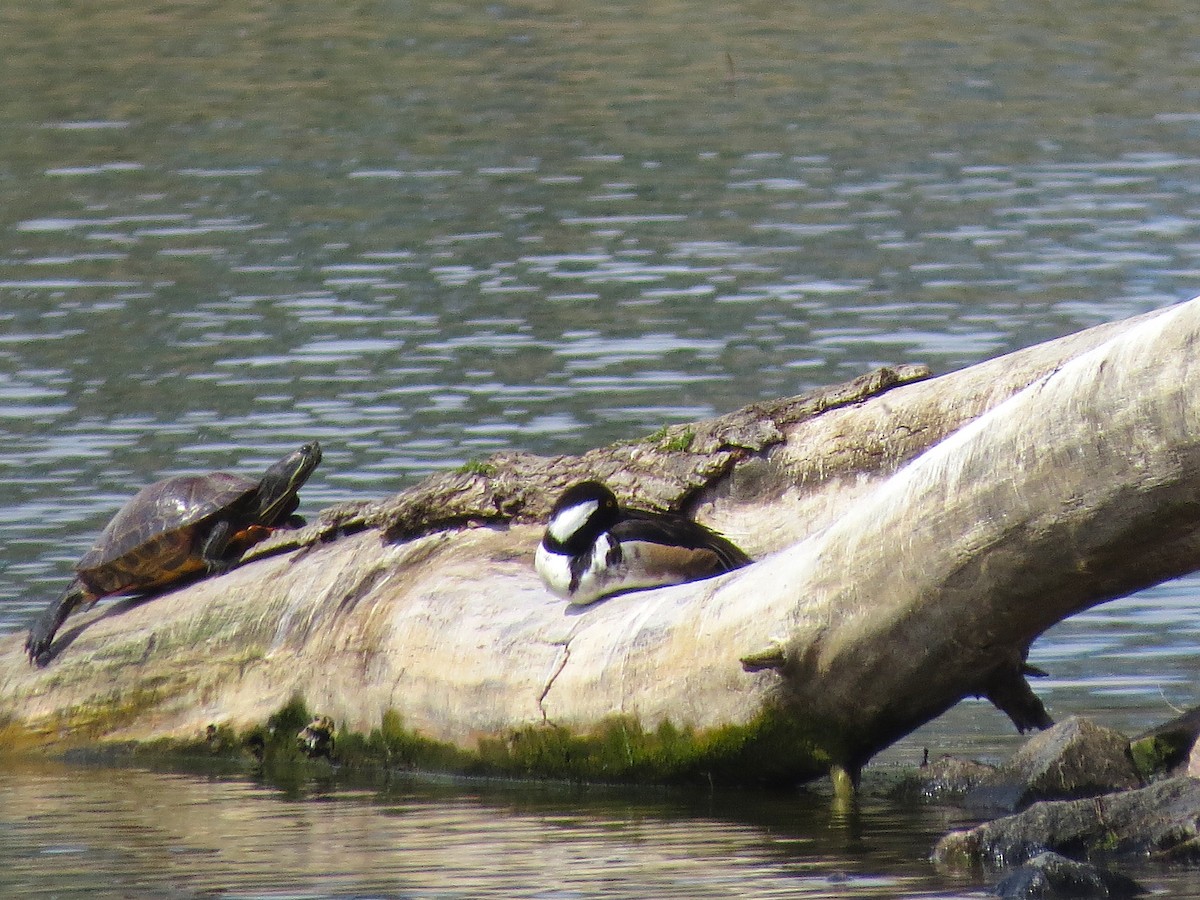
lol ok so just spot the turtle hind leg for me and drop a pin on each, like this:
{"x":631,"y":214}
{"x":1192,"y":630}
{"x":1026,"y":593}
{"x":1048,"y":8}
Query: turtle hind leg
{"x":41,"y":635}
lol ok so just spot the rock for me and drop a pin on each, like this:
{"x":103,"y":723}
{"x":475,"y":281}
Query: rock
{"x":1049,"y":875}
{"x":1075,"y":758}
{"x":946,"y":779}
{"x":1165,"y":748}
{"x":1160,"y":820}
{"x":986,"y":791}
{"x":1193,"y":763}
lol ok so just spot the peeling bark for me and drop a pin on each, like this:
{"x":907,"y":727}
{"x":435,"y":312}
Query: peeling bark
{"x":664,"y":471}
{"x":914,"y":535}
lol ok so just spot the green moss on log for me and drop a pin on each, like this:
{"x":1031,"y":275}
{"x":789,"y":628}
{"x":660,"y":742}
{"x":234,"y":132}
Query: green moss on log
{"x":772,"y":749}
{"x":88,"y":723}
{"x":16,"y":739}
{"x":672,"y":438}
{"x":477,"y":467}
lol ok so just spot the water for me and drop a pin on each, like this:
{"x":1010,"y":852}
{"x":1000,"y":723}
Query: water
{"x":414,"y":839}
{"x":423,"y":232}
{"x":118,"y":833}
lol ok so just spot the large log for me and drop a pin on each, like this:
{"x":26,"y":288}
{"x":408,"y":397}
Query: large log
{"x":913,"y":537}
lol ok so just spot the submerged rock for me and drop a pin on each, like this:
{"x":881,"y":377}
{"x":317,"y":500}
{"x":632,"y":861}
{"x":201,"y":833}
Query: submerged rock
{"x":982,"y":789}
{"x":1050,"y":875}
{"x":1074,"y":759}
{"x":946,"y":779}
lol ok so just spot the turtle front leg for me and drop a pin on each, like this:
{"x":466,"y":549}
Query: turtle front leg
{"x":41,"y":635}
{"x":216,"y":542}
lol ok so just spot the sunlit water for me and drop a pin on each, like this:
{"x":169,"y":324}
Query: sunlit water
{"x":413,"y":840}
{"x":132,"y":834}
{"x":424,"y":232}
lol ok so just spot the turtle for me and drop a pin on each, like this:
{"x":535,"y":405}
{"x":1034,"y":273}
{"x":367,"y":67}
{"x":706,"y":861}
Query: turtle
{"x":178,"y":528}
{"x":316,"y":738}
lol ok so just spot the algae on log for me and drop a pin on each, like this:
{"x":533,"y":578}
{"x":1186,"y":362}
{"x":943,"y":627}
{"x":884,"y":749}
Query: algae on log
{"x":913,"y":537}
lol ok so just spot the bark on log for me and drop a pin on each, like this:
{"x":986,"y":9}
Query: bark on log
{"x":913,"y":538}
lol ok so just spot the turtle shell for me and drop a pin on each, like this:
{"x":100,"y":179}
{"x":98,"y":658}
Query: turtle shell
{"x":154,"y":539}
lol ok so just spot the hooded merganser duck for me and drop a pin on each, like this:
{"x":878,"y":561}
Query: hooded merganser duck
{"x":594,"y":547}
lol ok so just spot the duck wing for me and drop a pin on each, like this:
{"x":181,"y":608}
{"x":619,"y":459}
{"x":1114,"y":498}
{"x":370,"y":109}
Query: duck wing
{"x":676,"y":532}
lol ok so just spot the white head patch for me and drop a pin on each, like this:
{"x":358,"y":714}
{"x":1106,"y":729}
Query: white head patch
{"x":564,"y":525}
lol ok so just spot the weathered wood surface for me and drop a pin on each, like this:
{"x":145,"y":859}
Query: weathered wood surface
{"x":912,"y":542}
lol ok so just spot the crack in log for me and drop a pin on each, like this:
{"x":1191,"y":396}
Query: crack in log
{"x":563,"y":659}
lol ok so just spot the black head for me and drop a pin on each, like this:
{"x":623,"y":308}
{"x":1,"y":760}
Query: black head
{"x":580,"y":514}
{"x":277,"y":493}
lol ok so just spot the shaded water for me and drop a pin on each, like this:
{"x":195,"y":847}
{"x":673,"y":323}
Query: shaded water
{"x":415,"y":839}
{"x":133,"y":834}
{"x":425,"y":231}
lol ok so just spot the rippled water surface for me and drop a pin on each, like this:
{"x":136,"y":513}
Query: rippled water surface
{"x":200,"y":837}
{"x":129,"y":834}
{"x":425,"y":231}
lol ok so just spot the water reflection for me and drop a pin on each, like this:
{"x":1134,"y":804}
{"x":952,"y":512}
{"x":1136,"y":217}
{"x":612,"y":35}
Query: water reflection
{"x":130,"y":833}
{"x":82,"y":831}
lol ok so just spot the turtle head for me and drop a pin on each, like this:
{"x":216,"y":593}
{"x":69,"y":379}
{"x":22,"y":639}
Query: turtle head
{"x":277,"y":498}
